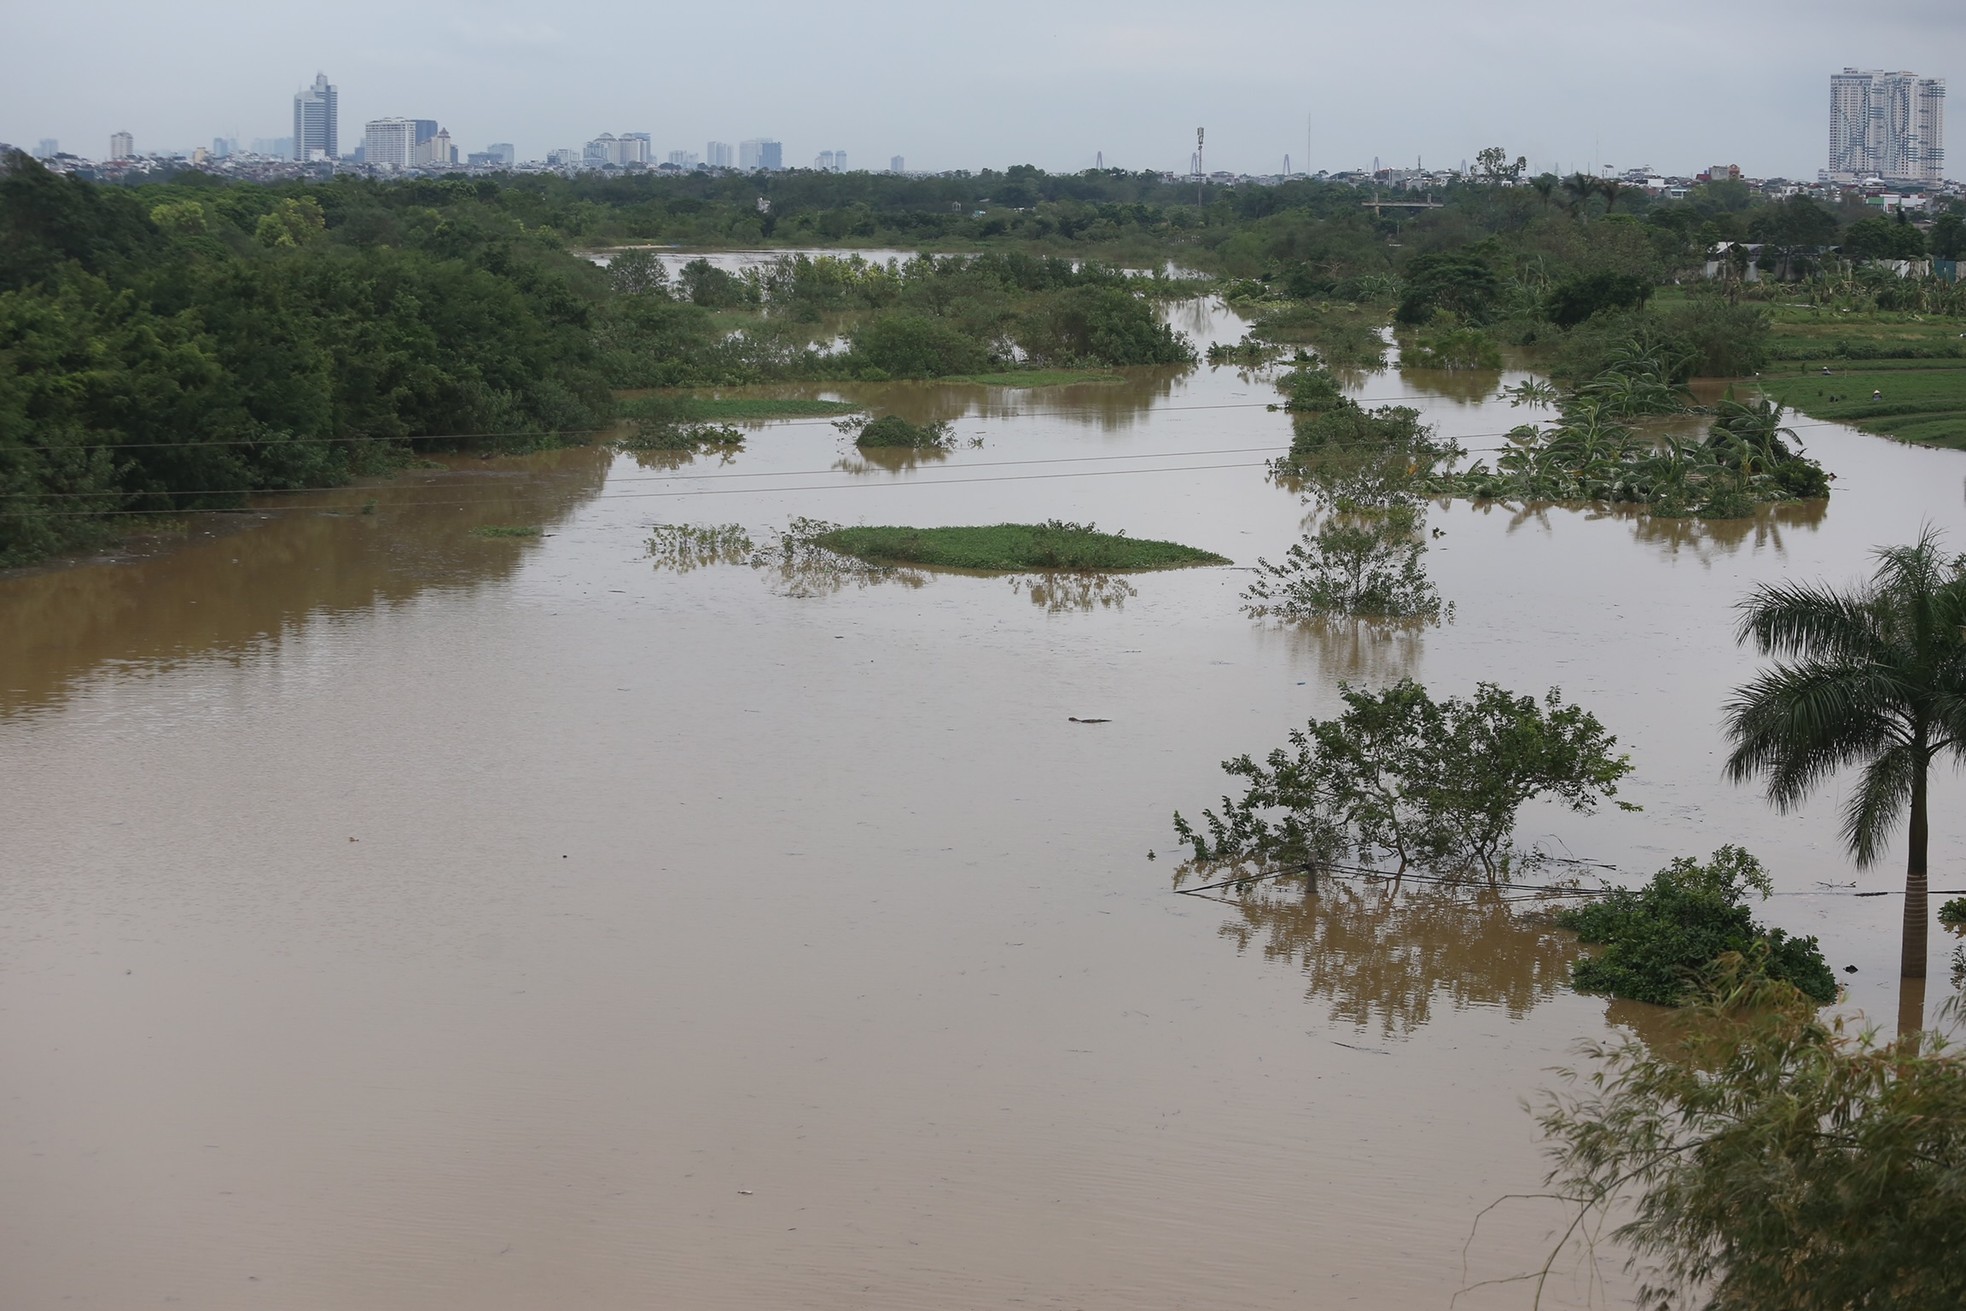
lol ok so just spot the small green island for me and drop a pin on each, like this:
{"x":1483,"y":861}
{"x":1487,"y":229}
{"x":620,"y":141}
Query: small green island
{"x":1013,"y":547}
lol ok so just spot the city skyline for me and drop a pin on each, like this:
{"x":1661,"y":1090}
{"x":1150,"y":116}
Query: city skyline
{"x":1033,"y":84}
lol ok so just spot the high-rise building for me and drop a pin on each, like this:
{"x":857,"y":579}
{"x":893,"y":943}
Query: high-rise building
{"x":47,"y":148}
{"x":1888,"y":124}
{"x":760,"y":153}
{"x":718,"y":154}
{"x":121,"y":145}
{"x":390,"y":143}
{"x":314,"y":120}
{"x":507,"y":153}
{"x":619,"y":151}
{"x":274,"y":147}
{"x":897,"y":165}
{"x":682,"y":158}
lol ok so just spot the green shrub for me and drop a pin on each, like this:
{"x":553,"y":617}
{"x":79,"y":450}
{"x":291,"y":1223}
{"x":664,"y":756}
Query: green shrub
{"x":913,"y":346}
{"x":1664,"y":942}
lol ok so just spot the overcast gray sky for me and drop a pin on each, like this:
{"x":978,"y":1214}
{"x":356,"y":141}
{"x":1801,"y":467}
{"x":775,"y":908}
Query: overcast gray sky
{"x":1676,"y":84}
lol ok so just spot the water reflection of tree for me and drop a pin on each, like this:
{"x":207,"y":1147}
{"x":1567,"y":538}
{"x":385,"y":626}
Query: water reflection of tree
{"x":1058,"y":593}
{"x":241,"y":582}
{"x":889,"y":459}
{"x":1381,"y":955}
{"x":1706,"y":540}
{"x":1463,"y":386}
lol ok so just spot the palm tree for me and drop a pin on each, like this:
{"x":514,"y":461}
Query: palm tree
{"x":1581,"y":186}
{"x":1874,"y":676}
{"x":1611,"y":189}
{"x":1544,"y":185}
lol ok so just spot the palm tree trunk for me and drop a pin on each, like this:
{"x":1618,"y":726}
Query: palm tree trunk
{"x":1917,"y":916}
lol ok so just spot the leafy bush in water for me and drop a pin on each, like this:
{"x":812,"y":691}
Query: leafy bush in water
{"x":891,"y":430}
{"x":1663,"y":943}
{"x":1363,"y":565}
{"x":1450,"y":348}
{"x":1403,"y":777}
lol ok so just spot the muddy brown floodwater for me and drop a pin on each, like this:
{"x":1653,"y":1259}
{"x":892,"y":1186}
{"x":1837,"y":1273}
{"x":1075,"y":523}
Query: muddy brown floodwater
{"x":395,"y":917}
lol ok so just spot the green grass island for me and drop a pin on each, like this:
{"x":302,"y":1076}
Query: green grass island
{"x":1014,"y":548}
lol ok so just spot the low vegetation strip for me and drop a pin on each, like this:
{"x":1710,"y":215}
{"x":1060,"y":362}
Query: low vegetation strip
{"x":1009,"y":547}
{"x":1915,"y":401}
{"x":679,"y":407}
{"x":1027,"y":378}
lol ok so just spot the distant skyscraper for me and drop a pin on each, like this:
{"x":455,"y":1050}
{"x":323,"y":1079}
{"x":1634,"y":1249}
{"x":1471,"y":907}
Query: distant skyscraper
{"x":390,"y":143}
{"x":823,"y":161}
{"x":47,"y":148}
{"x":274,"y":147}
{"x":507,"y":153}
{"x":1888,"y":124}
{"x":682,"y":158}
{"x":314,"y":120}
{"x":718,"y":154}
{"x":897,"y":165}
{"x":121,"y":145}
{"x":760,"y":153}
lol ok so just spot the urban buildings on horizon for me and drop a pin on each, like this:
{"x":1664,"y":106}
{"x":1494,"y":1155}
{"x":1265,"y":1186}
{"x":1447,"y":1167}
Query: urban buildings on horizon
{"x":1886,"y":125}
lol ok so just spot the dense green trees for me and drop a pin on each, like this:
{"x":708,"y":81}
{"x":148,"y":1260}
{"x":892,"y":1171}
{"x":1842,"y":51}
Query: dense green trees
{"x":1883,"y":238}
{"x":180,"y":353}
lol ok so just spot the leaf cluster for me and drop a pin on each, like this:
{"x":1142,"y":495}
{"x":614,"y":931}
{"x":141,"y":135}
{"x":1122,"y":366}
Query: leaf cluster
{"x":1664,"y":943}
{"x":1773,"y":1160}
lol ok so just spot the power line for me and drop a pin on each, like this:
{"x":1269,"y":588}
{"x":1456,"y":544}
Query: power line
{"x":796,"y":473}
{"x":1083,"y":410}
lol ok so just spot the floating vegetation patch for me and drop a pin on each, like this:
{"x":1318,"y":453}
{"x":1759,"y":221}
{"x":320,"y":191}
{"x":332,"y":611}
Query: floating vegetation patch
{"x":1591,"y":451}
{"x":683,"y":547}
{"x":892,"y":432}
{"x":798,"y":561}
{"x":1014,"y":548}
{"x":1449,"y":348}
{"x":506,"y":530}
{"x":1249,"y":353}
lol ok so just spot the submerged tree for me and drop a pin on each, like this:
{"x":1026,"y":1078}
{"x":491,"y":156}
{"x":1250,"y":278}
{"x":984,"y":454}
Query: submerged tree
{"x":1415,"y":782}
{"x":1873,"y":676}
{"x":1772,"y":1160}
{"x":1363,"y":565}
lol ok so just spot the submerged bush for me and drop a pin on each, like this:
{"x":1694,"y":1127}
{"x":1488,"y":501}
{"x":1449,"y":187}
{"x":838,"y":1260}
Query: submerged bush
{"x":892,"y":431}
{"x":1664,"y":943}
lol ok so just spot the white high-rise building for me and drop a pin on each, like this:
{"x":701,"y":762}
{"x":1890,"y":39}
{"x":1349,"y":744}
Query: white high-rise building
{"x":897,"y":165}
{"x":315,"y":113}
{"x":718,"y":154}
{"x":620,"y":151}
{"x":682,"y":158}
{"x":121,"y":145}
{"x":389,"y":143}
{"x":1888,"y":124}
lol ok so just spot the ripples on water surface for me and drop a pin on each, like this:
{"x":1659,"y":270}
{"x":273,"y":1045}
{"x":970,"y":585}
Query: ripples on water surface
{"x":396,"y":917}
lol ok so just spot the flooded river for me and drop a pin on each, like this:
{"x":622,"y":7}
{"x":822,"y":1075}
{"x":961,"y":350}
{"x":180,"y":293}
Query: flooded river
{"x":399,"y":917}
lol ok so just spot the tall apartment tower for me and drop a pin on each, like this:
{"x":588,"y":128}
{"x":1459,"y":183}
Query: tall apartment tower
{"x":718,"y":154}
{"x":121,"y":145}
{"x":314,"y":120}
{"x":390,"y":143}
{"x":1889,"y":124}
{"x":760,"y":153}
